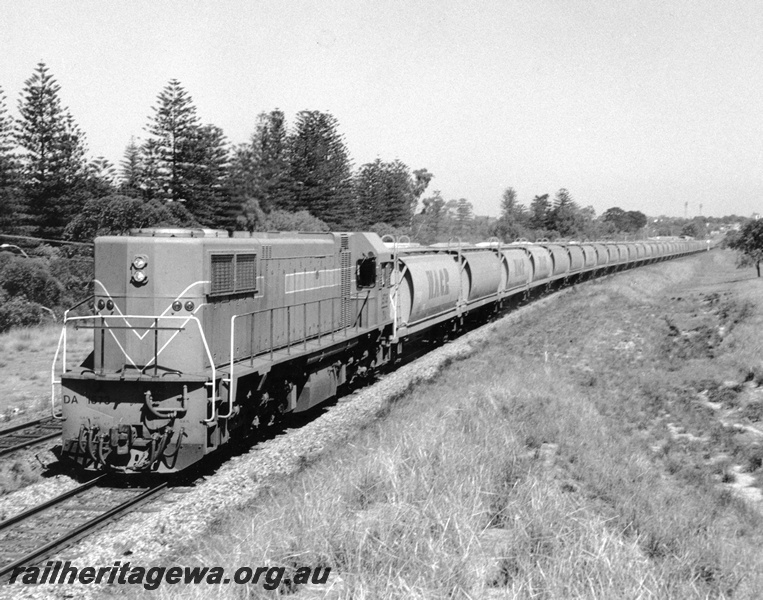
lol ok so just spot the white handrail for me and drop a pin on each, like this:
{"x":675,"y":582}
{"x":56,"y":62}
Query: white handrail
{"x":231,"y":380}
{"x":186,"y":318}
{"x":53,"y":382}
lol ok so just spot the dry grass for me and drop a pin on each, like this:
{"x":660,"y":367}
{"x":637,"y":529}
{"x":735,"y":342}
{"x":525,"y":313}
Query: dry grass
{"x":26,"y":355}
{"x":572,"y":457}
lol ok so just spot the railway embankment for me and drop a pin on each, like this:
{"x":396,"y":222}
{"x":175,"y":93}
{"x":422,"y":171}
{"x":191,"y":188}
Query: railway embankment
{"x":603,"y":442}
{"x":570,"y":453}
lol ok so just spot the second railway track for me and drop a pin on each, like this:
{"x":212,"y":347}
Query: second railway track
{"x":30,"y":433}
{"x":39,"y":532}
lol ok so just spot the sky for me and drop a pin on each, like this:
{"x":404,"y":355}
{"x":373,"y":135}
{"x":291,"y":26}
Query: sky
{"x":642,"y":104}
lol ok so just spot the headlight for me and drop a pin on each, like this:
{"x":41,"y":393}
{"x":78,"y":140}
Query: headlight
{"x":139,"y":277}
{"x":140,"y":262}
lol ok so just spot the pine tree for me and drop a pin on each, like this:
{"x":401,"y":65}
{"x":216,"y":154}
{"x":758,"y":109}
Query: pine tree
{"x":464,"y":214}
{"x":208,"y":196}
{"x":539,"y":212}
{"x":243,"y":187}
{"x":563,"y":218}
{"x":509,"y":205}
{"x":131,"y":175}
{"x":259,"y":170}
{"x":100,"y":178}
{"x":10,"y":197}
{"x":53,"y":157}
{"x":321,"y":170}
{"x":384,"y":194}
{"x":174,"y":128}
{"x":186,"y":162}
{"x":401,"y":191}
{"x":369,"y":195}
{"x":270,"y":147}
{"x":150,"y":176}
{"x":513,"y":218}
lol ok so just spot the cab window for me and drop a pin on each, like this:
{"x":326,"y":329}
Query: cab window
{"x":365,"y":272}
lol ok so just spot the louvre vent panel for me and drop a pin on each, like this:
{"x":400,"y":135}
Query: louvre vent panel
{"x":233,"y":273}
{"x":222,"y":273}
{"x":246,"y":274}
{"x":346,"y":287}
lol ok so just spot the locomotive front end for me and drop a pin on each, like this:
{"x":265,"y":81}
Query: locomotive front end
{"x":140,"y":400}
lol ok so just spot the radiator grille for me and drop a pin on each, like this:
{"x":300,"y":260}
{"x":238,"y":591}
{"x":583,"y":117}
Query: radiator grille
{"x":233,"y":273}
{"x":246,"y":274}
{"x":222,"y":273}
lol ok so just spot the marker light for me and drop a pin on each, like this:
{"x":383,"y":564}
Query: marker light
{"x":101,"y":304}
{"x":189,"y":306}
{"x":139,"y":262}
{"x":177,"y":305}
{"x":110,"y":305}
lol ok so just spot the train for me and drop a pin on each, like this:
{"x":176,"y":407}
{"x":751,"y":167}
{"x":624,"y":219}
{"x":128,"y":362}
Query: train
{"x":201,"y":337}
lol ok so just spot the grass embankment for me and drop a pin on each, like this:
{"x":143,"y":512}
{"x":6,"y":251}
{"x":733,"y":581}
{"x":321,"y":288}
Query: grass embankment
{"x":579,"y":453}
{"x":26,"y":355}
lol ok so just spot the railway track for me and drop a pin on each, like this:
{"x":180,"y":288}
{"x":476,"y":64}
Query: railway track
{"x":28,"y":434}
{"x":38,"y":532}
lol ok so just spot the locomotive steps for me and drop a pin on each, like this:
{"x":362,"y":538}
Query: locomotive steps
{"x":533,"y":456}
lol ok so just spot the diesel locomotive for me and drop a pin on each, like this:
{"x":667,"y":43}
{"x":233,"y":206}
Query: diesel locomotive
{"x":199,"y":337}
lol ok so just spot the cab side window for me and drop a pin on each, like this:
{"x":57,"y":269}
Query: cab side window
{"x":365,"y":272}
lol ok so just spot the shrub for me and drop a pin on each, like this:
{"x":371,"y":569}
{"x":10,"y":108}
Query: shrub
{"x":19,"y":312}
{"x":76,"y":277}
{"x":114,"y":215}
{"x":280,"y":220}
{"x":31,"y":279}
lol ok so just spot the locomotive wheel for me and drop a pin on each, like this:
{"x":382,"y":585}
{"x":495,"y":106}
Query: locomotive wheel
{"x":272,"y":408}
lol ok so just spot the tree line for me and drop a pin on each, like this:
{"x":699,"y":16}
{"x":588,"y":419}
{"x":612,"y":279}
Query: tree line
{"x":561,"y":217}
{"x":186,"y":173}
{"x":296,"y":176}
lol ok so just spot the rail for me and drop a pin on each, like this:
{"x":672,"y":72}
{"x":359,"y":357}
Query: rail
{"x":78,"y":531}
{"x":28,"y":434}
{"x":61,"y":348}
